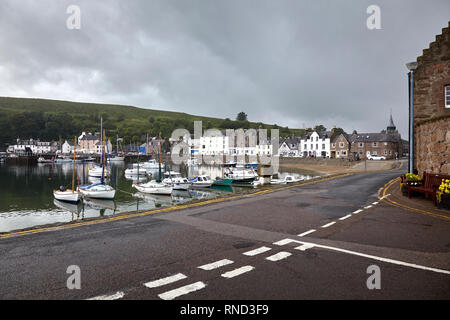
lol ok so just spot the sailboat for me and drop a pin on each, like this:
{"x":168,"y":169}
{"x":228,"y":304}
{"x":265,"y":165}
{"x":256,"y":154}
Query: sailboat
{"x":116,"y":157}
{"x":63,"y":194}
{"x":99,"y":190}
{"x":155,"y":186}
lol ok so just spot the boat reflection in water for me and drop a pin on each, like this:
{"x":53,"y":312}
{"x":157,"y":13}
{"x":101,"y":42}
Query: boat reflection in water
{"x":76,"y":209}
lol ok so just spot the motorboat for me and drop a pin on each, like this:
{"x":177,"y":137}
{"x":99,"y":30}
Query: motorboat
{"x":63,"y":160}
{"x":202,"y":181}
{"x":43,"y":160}
{"x":287,"y":179}
{"x":98,"y":191}
{"x":117,"y":159}
{"x":176,"y":180}
{"x":154,"y":187}
{"x":151,"y":164}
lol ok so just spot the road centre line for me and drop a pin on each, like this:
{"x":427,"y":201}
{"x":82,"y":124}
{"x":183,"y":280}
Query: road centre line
{"x":328,"y":224}
{"x":172,"y":294}
{"x":368,"y":207}
{"x":116,"y":296}
{"x":256,"y":251}
{"x":387,"y":260}
{"x":307,"y":232}
{"x":357,"y":211}
{"x":215,"y":265}
{"x":347,"y":216}
{"x":164,"y":281}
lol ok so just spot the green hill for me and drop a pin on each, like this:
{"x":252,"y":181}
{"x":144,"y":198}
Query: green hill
{"x":54,"y":120}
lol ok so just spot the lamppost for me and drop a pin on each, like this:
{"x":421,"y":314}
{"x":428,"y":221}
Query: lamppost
{"x":411,"y":67}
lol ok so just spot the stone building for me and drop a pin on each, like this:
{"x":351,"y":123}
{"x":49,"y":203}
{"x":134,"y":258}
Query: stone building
{"x":388,"y":145}
{"x":340,"y":146}
{"x":432,"y":107}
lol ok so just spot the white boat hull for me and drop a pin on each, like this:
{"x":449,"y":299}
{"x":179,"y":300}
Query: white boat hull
{"x":108,"y":195}
{"x":67,"y":196}
{"x":154,"y":189}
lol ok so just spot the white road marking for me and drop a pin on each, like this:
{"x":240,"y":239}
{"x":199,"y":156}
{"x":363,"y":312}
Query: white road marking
{"x":375,"y":203}
{"x":347,"y":216}
{"x":172,"y":294}
{"x":357,"y":211}
{"x":283,"y":242}
{"x":116,"y":296}
{"x":237,"y":272}
{"x":307,"y":232}
{"x":402,"y":263}
{"x":328,"y":224}
{"x":257,"y":251}
{"x":304,"y":247}
{"x":164,"y":281}
{"x":216,"y":264}
{"x":385,"y":196}
{"x":279,"y":256}
{"x":368,"y":207}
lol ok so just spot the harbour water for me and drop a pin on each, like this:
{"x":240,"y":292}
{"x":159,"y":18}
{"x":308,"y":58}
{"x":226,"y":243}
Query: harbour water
{"x":26,"y":193}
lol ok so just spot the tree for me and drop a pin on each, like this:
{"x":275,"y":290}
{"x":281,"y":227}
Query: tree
{"x":319,"y":128}
{"x":242,"y":116}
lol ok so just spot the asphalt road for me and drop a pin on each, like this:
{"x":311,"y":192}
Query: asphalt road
{"x":256,"y":243}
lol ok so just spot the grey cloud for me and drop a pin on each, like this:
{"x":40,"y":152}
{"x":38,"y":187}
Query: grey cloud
{"x":290,"y":62}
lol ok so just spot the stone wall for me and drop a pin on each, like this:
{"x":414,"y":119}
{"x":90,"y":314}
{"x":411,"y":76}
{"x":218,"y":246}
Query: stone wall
{"x":433,"y":147}
{"x":431,"y":118}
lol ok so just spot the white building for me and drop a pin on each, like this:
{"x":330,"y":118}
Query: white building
{"x":289,"y":147}
{"x":316,"y":144}
{"x":36,"y":146}
{"x":67,"y":147}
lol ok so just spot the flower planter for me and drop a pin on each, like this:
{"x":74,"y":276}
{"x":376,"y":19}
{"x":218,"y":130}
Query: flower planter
{"x":444,"y":202}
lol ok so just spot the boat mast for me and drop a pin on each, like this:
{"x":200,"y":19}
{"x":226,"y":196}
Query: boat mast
{"x":103,"y":157}
{"x":159,"y":149}
{"x":73,"y":166}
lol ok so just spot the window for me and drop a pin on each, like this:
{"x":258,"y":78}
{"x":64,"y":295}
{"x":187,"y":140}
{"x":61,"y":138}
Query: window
{"x":305,"y":147}
{"x":385,"y":152}
{"x":344,"y":153}
{"x":375,"y":144}
{"x":341,"y":144}
{"x":323,"y":146}
{"x":447,"y":96}
{"x":361,"y":144}
{"x":334,"y":145}
{"x":317,"y":146}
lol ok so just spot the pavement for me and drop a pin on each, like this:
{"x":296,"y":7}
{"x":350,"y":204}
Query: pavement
{"x":317,"y":241}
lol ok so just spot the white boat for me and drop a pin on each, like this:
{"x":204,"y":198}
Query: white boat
{"x":154,"y":187}
{"x":63,"y":160}
{"x":67,"y":195}
{"x":97,"y":172}
{"x":151,"y":164}
{"x":43,"y":160}
{"x":117,"y":159}
{"x":202,"y":181}
{"x":287,"y":179}
{"x":234,"y":173}
{"x":98,"y":191}
{"x":176,"y":180}
{"x":136,"y":172}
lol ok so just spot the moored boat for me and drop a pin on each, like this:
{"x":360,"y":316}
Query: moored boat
{"x":154,"y":187}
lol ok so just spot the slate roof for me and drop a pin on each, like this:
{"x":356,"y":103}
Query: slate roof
{"x":374,"y":137}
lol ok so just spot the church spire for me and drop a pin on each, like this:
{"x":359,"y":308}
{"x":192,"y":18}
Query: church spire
{"x":391,"y":128}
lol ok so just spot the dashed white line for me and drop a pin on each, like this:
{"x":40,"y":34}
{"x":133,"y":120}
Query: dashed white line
{"x":237,"y":272}
{"x":368,"y":207}
{"x":279,"y":256}
{"x":328,"y":224}
{"x":116,"y":296}
{"x":357,"y":211}
{"x":347,"y":216}
{"x":172,"y":294}
{"x":307,"y":232}
{"x":375,"y":203}
{"x":256,"y":251}
{"x":304,"y":247}
{"x":164,"y":281}
{"x":215,"y":265}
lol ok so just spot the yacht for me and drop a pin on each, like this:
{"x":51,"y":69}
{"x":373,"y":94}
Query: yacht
{"x":154,"y":187}
{"x":176,"y":180}
{"x":202,"y":181}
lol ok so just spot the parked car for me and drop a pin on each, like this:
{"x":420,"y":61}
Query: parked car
{"x":375,"y":157}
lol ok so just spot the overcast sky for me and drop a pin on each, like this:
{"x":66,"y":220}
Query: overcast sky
{"x":295,"y":63}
